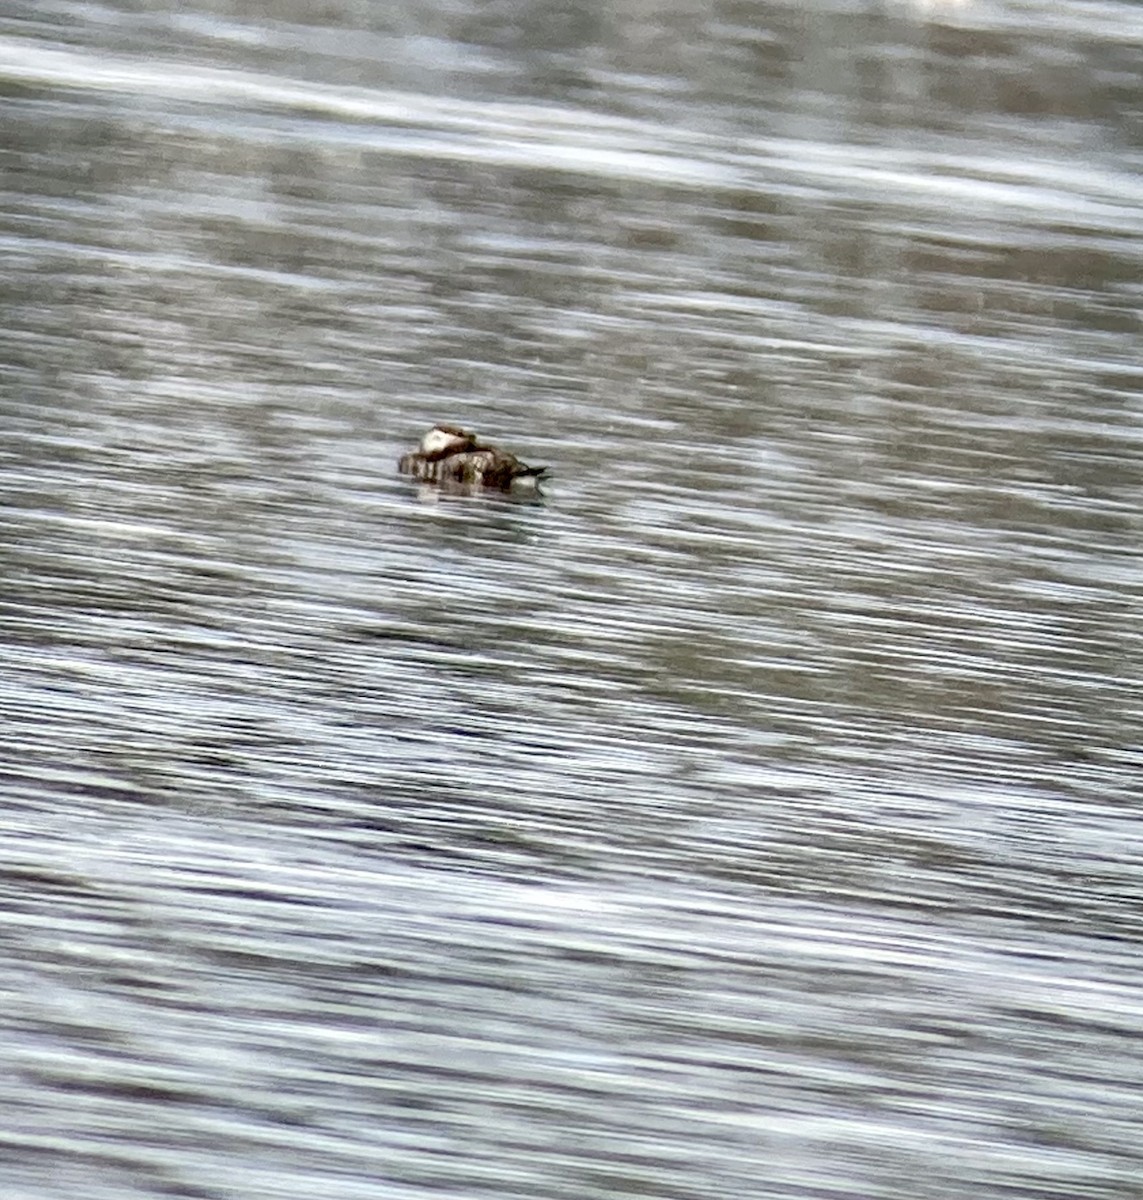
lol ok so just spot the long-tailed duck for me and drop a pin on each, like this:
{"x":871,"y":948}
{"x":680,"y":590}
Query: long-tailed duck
{"x":451,"y":455}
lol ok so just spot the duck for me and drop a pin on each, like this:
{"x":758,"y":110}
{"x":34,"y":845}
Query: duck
{"x":450,"y":455}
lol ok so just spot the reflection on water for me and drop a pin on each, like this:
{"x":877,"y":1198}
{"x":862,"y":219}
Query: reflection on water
{"x":753,"y":817}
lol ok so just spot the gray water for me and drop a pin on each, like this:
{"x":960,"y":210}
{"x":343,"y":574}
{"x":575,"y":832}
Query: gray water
{"x":755,"y":816}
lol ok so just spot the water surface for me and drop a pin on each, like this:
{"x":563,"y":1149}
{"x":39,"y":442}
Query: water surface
{"x":757,"y":816}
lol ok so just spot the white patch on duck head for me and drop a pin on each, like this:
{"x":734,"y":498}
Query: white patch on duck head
{"x":443,"y":439}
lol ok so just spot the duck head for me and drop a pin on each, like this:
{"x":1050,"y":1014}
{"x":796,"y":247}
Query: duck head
{"x":442,"y":440}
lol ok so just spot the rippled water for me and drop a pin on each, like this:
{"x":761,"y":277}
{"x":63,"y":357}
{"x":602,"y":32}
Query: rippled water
{"x":757,"y":815}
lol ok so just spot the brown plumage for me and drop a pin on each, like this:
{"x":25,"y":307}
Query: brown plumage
{"x":451,"y":455}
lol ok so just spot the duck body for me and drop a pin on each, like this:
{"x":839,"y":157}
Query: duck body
{"x":449,"y":455}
